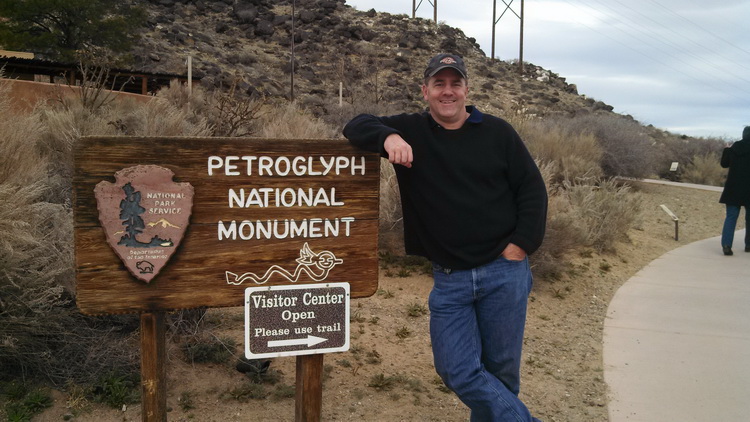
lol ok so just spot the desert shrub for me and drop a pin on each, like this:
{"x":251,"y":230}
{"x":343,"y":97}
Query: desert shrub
{"x":705,"y":170}
{"x":95,"y":68}
{"x":64,"y":123}
{"x":576,"y":154}
{"x":626,"y":148}
{"x":564,"y":232}
{"x":181,"y":97}
{"x":283,"y":391}
{"x":157,"y":117}
{"x":671,"y":148}
{"x":208,"y":349}
{"x":116,"y":389}
{"x":21,"y":161}
{"x":23,"y":403}
{"x":246,"y":392}
{"x":605,"y":210}
{"x":289,"y":121}
{"x":231,"y":113}
{"x":42,"y":334}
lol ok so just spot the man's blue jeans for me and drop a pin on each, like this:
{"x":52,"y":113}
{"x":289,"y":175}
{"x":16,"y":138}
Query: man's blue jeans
{"x":477,"y":319}
{"x":730,"y":223}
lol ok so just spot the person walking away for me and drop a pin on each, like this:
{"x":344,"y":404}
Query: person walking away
{"x":474,"y":204}
{"x":736,"y":192}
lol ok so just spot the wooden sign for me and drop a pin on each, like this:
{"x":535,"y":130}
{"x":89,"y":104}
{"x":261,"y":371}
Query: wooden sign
{"x":264,"y":212}
{"x":296,"y":320}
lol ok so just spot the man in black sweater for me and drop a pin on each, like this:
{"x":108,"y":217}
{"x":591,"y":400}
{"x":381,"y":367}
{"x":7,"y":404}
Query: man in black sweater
{"x":475,"y":204}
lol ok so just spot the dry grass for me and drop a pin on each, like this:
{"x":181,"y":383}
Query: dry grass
{"x":575,"y":154}
{"x":603,"y":211}
{"x":705,"y":170}
{"x":178,"y":94}
{"x":671,"y":148}
{"x":564,"y":232}
{"x":627,"y":150}
{"x":42,"y":334}
{"x":158,"y":117}
{"x":291,"y":122}
{"x":390,"y":202}
{"x":20,"y":159}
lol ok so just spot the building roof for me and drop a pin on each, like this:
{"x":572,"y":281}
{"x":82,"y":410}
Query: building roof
{"x":134,"y":81}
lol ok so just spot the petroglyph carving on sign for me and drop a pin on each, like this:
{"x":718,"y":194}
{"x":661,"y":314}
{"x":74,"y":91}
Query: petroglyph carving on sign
{"x":315,"y":265}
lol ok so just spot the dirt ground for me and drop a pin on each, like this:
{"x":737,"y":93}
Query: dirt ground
{"x":387,"y":375}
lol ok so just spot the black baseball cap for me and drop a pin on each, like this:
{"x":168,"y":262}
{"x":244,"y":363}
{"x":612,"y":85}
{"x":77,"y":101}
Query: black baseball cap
{"x":445,"y":61}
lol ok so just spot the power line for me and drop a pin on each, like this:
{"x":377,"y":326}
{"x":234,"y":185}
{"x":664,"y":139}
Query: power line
{"x":635,"y":35}
{"x":701,"y":28}
{"x":669,"y":28}
{"x":658,"y":38}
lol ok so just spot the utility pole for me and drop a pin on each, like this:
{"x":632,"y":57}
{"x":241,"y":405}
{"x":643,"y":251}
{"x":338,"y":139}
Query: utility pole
{"x":291,"y":92}
{"x":520,"y":47}
{"x":415,"y":6}
{"x":496,"y":20}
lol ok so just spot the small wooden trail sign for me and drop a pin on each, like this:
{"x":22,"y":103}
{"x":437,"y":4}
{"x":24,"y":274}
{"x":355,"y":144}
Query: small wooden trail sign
{"x":163,"y":224}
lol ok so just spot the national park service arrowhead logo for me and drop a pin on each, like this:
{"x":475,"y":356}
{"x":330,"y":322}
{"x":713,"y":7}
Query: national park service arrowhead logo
{"x":144,"y":215}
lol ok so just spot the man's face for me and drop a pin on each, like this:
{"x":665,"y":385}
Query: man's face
{"x":445,"y":93}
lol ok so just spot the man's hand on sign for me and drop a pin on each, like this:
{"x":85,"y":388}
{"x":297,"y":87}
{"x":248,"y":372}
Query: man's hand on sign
{"x":399,"y":152}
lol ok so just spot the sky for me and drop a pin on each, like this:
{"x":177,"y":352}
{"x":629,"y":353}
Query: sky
{"x":680,"y":65}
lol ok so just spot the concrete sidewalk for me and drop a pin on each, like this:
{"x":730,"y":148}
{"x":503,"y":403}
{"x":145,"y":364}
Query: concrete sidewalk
{"x":677,"y":338}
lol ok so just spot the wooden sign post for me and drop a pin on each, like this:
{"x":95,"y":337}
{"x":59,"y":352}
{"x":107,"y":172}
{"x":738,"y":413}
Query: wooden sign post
{"x":163,"y":224}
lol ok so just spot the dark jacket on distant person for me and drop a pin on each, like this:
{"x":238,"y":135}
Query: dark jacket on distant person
{"x":737,"y":159}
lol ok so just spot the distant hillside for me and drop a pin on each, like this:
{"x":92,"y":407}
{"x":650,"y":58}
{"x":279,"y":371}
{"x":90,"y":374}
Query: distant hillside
{"x":377,"y":57}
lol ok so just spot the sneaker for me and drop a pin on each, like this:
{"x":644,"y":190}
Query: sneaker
{"x":727,"y":250}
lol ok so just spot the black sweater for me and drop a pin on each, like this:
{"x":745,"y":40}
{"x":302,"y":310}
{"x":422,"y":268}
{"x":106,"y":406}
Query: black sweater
{"x":737,"y":187}
{"x":469,"y":192}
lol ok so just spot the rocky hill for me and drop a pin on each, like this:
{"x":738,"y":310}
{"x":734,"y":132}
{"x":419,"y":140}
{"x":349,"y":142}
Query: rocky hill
{"x":376,"y":58}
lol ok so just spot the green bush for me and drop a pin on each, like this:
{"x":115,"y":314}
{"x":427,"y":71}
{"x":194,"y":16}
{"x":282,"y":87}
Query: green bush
{"x":22,"y":403}
{"x":117,"y":389}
